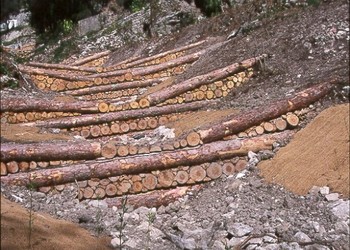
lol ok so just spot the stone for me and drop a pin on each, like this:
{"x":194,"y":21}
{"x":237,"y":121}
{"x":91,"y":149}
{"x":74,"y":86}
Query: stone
{"x":332,"y":197}
{"x":218,"y":245}
{"x":89,"y":24}
{"x":302,"y":237}
{"x":341,"y":209}
{"x":269,"y":247}
{"x":316,"y":247}
{"x":234,"y":242}
{"x":341,"y":227}
{"x":324,"y":190}
{"x":255,"y":241}
{"x":98,"y":203}
{"x":239,"y":229}
{"x":269,"y":239}
{"x":189,"y":243}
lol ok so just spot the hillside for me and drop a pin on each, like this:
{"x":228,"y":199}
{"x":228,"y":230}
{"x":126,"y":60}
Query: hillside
{"x":230,"y":133}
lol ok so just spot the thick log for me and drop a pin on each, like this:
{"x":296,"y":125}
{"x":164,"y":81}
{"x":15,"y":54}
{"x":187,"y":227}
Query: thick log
{"x":111,"y":190}
{"x":85,"y":120}
{"x":280,"y":124}
{"x":12,"y":167}
{"x":292,"y":120}
{"x":62,"y":67}
{"x":109,"y":150}
{"x":155,"y":198}
{"x":50,"y":151}
{"x":146,"y":163}
{"x":228,"y":168}
{"x":114,"y":87}
{"x":195,"y":82}
{"x":166,"y":178}
{"x":26,"y":103}
{"x":181,"y":177}
{"x":91,"y":58}
{"x":239,"y":122}
{"x":197,"y":173}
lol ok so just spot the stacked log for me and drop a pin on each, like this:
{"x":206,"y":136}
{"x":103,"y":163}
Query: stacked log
{"x":14,"y":117}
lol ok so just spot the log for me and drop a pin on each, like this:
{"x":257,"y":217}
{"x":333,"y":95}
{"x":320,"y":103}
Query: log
{"x":109,"y":150}
{"x":44,"y":151}
{"x":165,"y":178}
{"x":100,"y":193}
{"x":149,"y":182}
{"x":103,"y":107}
{"x":236,"y":123}
{"x":241,"y":165}
{"x":88,"y":193}
{"x":91,"y":58}
{"x":195,"y":82}
{"x":145,"y":163}
{"x":23,"y":166}
{"x":114,"y":87}
{"x":123,"y":151}
{"x":182,"y":177}
{"x":193,"y":139}
{"x":62,"y":67}
{"x":12,"y":167}
{"x":150,"y":58}
{"x":111,"y":190}
{"x":86,"y":120}
{"x":280,"y":124}
{"x":26,"y":103}
{"x":155,"y":198}
{"x":214,"y":170}
{"x":197,"y":173}
{"x":228,"y":168}
{"x":95,"y":131}
{"x":3,"y":169}
{"x":292,"y":120}
{"x":136,"y":187}
{"x":259,"y":130}
{"x":269,"y":127}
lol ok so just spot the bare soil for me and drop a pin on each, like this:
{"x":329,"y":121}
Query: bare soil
{"x":318,"y":155}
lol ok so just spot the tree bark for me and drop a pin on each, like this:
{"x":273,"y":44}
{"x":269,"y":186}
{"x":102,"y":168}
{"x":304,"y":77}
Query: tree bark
{"x":62,"y":67}
{"x":50,"y":151}
{"x":85,"y":120}
{"x":91,"y":58}
{"x":114,"y":87}
{"x":239,"y":122}
{"x":195,"y":82}
{"x":25,"y":103}
{"x":143,"y":164}
{"x":155,"y":198}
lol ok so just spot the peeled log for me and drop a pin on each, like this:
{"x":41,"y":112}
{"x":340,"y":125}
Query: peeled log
{"x":80,"y":150}
{"x":239,"y":122}
{"x":86,"y":120}
{"x":195,"y":82}
{"x":91,"y":58}
{"x":155,"y":198}
{"x":62,"y":67}
{"x":145,"y":163}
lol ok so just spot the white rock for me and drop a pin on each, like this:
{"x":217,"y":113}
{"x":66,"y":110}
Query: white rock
{"x":301,"y":237}
{"x":218,"y":245}
{"x":239,"y":229}
{"x":324,"y":190}
{"x":269,"y":239}
{"x":341,"y":209}
{"x":332,"y":197}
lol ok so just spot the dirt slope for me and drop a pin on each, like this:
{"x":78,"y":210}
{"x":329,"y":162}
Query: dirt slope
{"x":318,"y":155}
{"x":48,"y":233}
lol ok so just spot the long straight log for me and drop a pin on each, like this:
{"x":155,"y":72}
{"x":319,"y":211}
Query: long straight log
{"x":239,"y":122}
{"x":91,"y":58}
{"x":25,"y":103}
{"x":114,"y":87}
{"x":195,"y":82}
{"x":62,"y":67}
{"x":84,"y":120}
{"x":155,"y":198}
{"x":54,"y":74}
{"x":150,"y":58}
{"x":81,"y":150}
{"x":153,"y":68}
{"x":147,"y":163}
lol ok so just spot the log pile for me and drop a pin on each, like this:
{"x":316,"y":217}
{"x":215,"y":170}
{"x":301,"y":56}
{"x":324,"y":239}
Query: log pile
{"x":121,"y":118}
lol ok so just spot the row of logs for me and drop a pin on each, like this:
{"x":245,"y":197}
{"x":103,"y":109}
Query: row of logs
{"x":13,"y":167}
{"x":11,"y":117}
{"x":55,"y":84}
{"x":96,"y":188}
{"x":214,"y":90}
{"x":121,"y":127}
{"x":110,"y":94}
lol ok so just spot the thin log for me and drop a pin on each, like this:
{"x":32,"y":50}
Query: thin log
{"x":62,"y":67}
{"x":195,"y":82}
{"x":146,"y":163}
{"x":280,"y":124}
{"x":114,"y":87}
{"x":228,"y":168}
{"x":50,"y":151}
{"x":166,"y":178}
{"x":149,"y":182}
{"x":12,"y":167}
{"x":109,"y":150}
{"x":182,"y":177}
{"x":85,"y":120}
{"x":239,"y":122}
{"x":197,"y":173}
{"x":23,"y":166}
{"x":25,"y":104}
{"x":292,"y":120}
{"x":111,"y":190}
{"x":91,"y":58}
{"x":214,"y":170}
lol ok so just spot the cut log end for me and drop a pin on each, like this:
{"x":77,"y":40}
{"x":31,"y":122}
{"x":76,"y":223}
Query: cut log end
{"x":193,"y":139}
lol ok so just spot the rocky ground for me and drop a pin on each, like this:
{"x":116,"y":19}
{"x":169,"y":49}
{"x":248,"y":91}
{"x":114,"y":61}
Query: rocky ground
{"x":307,"y":45}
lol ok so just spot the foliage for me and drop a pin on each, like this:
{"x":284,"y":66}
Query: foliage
{"x":122,"y":223}
{"x":209,"y":7}
{"x":57,"y":15}
{"x":313,"y":2}
{"x":65,"y":49}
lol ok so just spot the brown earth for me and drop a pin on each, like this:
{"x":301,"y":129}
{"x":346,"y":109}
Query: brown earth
{"x":318,"y":155}
{"x":47,"y":233}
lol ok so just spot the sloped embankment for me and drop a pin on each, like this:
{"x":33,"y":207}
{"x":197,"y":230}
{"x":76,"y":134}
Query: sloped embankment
{"x":318,"y":155}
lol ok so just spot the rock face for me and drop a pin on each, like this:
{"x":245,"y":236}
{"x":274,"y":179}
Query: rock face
{"x":89,"y":24}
